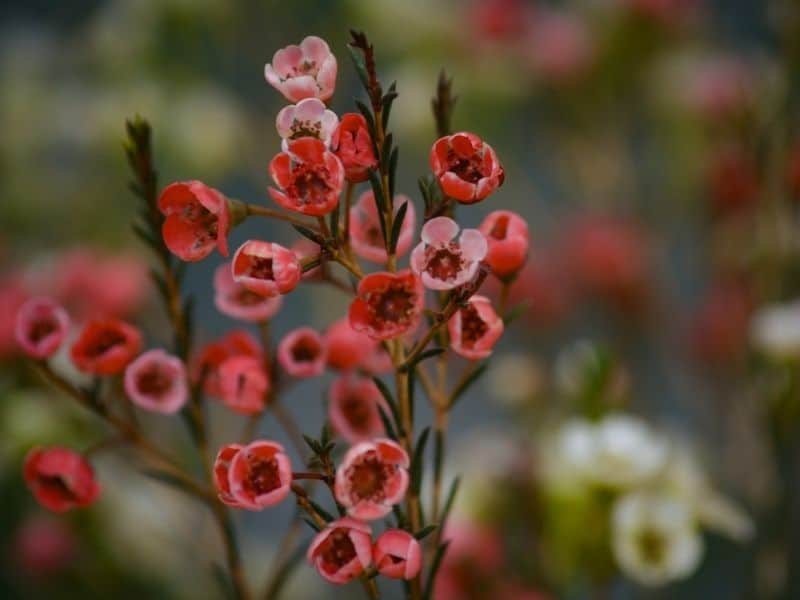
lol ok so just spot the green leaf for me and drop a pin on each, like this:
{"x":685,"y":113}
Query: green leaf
{"x":366,"y":111}
{"x":395,"y":156}
{"x":437,"y":562}
{"x":315,"y":446}
{"x":397,"y":226}
{"x":458,"y":393}
{"x":387,"y":423}
{"x":426,"y":354}
{"x":386,"y":153}
{"x":321,"y":511}
{"x":310,"y":234}
{"x":387,"y":101}
{"x":425,"y":531}
{"x":387,"y":395}
{"x":223,"y":581}
{"x":419,"y":458}
{"x":516,"y":312}
{"x":311,"y":524}
{"x":448,"y":503}
{"x":358,"y":63}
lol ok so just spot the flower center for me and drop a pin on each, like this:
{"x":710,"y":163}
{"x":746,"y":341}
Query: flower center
{"x":469,"y":169}
{"x":154,"y":382}
{"x":357,"y":412}
{"x":262,"y":476}
{"x":393,"y":304}
{"x":473,"y":328}
{"x":444,"y":262}
{"x":500,"y":228}
{"x":307,"y":67}
{"x":259,"y":267}
{"x":205,"y":224}
{"x":104,"y":342}
{"x":55,"y":484}
{"x":652,"y":545}
{"x":368,"y":477}
{"x":245,"y":297}
{"x":337,"y":550}
{"x":42,"y":328}
{"x":306,"y":349}
{"x":305,"y":129}
{"x":309,"y":184}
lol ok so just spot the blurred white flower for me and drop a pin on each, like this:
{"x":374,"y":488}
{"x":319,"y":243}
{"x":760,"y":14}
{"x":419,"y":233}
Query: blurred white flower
{"x":571,"y":365}
{"x":655,"y":538}
{"x":515,"y":379}
{"x":775,"y":330}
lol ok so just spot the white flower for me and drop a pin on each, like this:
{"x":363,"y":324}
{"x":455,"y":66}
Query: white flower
{"x":775,"y":330}
{"x":307,"y":118}
{"x":655,"y":539}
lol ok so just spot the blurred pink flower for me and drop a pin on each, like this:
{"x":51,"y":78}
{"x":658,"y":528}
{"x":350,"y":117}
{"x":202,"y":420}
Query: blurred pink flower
{"x":719,"y":87}
{"x":353,"y":408}
{"x":43,"y":546}
{"x":303,"y":353}
{"x":732,"y":180}
{"x":499,"y":20}
{"x":42,"y":325}
{"x":156,"y":381}
{"x":60,"y":479}
{"x":720,"y":323}
{"x":560,"y":47}
{"x":474,"y":555}
{"x":105,"y":346}
{"x":243,"y":384}
{"x":205,"y":365}
{"x":365,"y":228}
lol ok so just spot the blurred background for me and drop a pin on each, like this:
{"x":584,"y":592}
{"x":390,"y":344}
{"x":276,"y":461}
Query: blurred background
{"x":652,"y":145}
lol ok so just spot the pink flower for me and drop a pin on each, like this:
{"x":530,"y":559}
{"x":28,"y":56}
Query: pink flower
{"x":307,"y":118}
{"x":12,"y":297}
{"x":387,"y":305}
{"x":467,"y":167}
{"x":352,"y":144}
{"x":304,"y":71}
{"x":441,"y":261}
{"x":342,"y":550}
{"x":347,"y":348}
{"x":372,"y":478}
{"x":206,"y":365}
{"x":474,"y":556}
{"x":302,"y":353}
{"x":397,"y":554}
{"x":41,"y":327}
{"x":365,"y":228}
{"x":353,"y":408}
{"x":254,"y":476}
{"x":197,"y":220}
{"x":732,"y":180}
{"x":560,"y":47}
{"x":44,"y":546}
{"x":475,"y":329}
{"x":500,"y":20}
{"x":243,"y":384}
{"x":719,"y":87}
{"x":506,"y":234}
{"x":236,"y":301}
{"x":266,"y":268}
{"x":310,"y":178}
{"x":60,"y":479}
{"x":105,"y":346}
{"x":156,"y":381}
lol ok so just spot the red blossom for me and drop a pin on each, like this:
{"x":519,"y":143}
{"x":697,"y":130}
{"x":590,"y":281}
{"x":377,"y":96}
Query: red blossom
{"x":265,"y":268}
{"x":506,"y":234}
{"x":105,"y":346}
{"x":254,"y":477}
{"x":467,"y":167}
{"x":387,"y":305}
{"x":342,"y":550}
{"x":352,"y":143}
{"x":397,"y":554}
{"x":60,"y":479}
{"x":41,"y":327}
{"x":353,"y":408}
{"x":475,"y":329}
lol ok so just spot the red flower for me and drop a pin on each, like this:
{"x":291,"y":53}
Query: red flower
{"x":243,"y":384}
{"x":156,"y":381}
{"x":197,"y":220}
{"x":372,"y":478}
{"x":41,"y":327}
{"x":206,"y":365}
{"x":397,"y":554}
{"x":266,"y":268}
{"x":254,"y":476}
{"x":236,"y":301}
{"x":475,"y":329}
{"x":388,"y":304}
{"x":310,"y":177}
{"x":352,"y":143}
{"x":302,"y":353}
{"x":732,"y":181}
{"x":44,"y":546}
{"x":365,"y":228}
{"x":467,"y":167}
{"x":347,"y":348}
{"x":507,"y":235}
{"x":443,"y":262}
{"x":342,"y":550}
{"x":60,"y":479}
{"x":353,"y":408}
{"x":106,"y":346}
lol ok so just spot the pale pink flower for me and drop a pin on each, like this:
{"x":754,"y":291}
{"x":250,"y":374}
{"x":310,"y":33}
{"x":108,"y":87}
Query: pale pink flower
{"x":266,"y":268}
{"x":303,"y":353}
{"x":41,"y":327}
{"x":254,"y":476}
{"x":304,"y":71}
{"x":353,"y":408}
{"x":372,"y":477}
{"x":307,"y":118}
{"x":443,"y":262}
{"x":365,"y":228}
{"x":243,"y":384}
{"x":475,"y":329}
{"x":236,"y":301}
{"x":342,"y":550}
{"x":156,"y":381}
{"x":397,"y":554}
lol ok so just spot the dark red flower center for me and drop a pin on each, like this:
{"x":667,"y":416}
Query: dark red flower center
{"x":305,"y":349}
{"x":444,"y":262}
{"x":500,"y":228}
{"x":305,"y":129}
{"x":154,"y":381}
{"x":394,"y":304}
{"x":41,"y":328}
{"x":368,"y":476}
{"x":469,"y":169}
{"x":104,"y":341}
{"x":205,"y":224}
{"x":309,"y":184}
{"x":55,"y":484}
{"x":245,"y":297}
{"x":259,"y":267}
{"x":473,"y":328}
{"x":337,"y":550}
{"x":356,"y":409}
{"x":263,"y":475}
